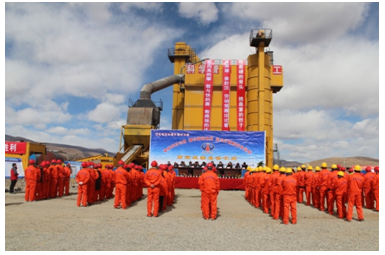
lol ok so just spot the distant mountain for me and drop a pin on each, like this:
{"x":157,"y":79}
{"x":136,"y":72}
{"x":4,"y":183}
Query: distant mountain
{"x":74,"y":152}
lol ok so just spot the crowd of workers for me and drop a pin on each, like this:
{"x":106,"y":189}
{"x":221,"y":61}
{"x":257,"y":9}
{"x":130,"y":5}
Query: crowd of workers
{"x":277,"y":191}
{"x":49,"y":179}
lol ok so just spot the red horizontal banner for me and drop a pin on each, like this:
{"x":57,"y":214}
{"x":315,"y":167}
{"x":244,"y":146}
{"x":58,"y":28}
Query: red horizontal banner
{"x":15,"y":147}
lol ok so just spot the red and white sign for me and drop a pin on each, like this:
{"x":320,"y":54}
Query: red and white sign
{"x":241,"y":95}
{"x":15,"y":147}
{"x":277,"y":70}
{"x":190,"y":68}
{"x":226,"y":65}
{"x":207,"y":94}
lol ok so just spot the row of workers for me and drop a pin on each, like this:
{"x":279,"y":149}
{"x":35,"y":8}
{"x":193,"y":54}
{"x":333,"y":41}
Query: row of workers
{"x":46,"y":180}
{"x":276,"y":193}
{"x":96,"y":184}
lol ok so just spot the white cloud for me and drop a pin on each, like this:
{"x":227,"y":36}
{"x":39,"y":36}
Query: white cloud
{"x":205,"y":13}
{"x":104,"y":112}
{"x":147,"y":6}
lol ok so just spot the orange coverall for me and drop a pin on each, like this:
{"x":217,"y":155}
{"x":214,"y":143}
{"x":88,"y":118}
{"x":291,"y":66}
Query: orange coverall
{"x":331,"y":194}
{"x":31,"y":176}
{"x":355,"y":183}
{"x":152,"y":180}
{"x":278,"y":210}
{"x":272,"y":190}
{"x":323,"y":187}
{"x":289,"y":187}
{"x":266,"y":195}
{"x":251,"y":182}
{"x":315,"y":190}
{"x":53,"y":181}
{"x":82,"y":176}
{"x":66,"y":178}
{"x":210,"y":186}
{"x":60,"y":180}
{"x":340,"y":188}
{"x":107,"y":184}
{"x":129,"y":188}
{"x":141,"y":183}
{"x":120,"y":179}
{"x":262,"y":176}
{"x":367,"y":187}
{"x":308,"y":187}
{"x":301,"y":185}
{"x":39,"y":184}
{"x":376,"y":190}
{"x":112,"y":183}
{"x":257,"y":191}
{"x":245,"y":176}
{"x":135,"y":179}
{"x":170,"y":178}
{"x":46,"y":183}
{"x":163,"y":190}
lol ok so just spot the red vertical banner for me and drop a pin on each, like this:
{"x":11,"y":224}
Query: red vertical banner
{"x":226,"y":72}
{"x":207,"y":93}
{"x":241,"y":95}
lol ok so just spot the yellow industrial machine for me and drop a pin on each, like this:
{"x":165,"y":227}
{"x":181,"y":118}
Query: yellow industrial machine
{"x":104,"y":159}
{"x":32,"y":148}
{"x":262,"y":80}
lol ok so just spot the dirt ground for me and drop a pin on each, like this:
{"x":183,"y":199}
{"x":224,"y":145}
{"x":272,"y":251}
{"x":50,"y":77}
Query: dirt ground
{"x":59,"y":225}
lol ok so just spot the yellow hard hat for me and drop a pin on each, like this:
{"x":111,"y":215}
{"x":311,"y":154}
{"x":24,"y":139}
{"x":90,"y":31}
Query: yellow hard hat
{"x":340,"y":173}
{"x":299,"y":169}
{"x":260,"y":168}
{"x":309,"y":168}
{"x":357,"y":168}
{"x":264,"y":169}
{"x":324,"y":165}
{"x":248,"y":168}
{"x":288,"y":170}
{"x":268,"y":169}
{"x":303,"y":166}
{"x":317,"y":169}
{"x":334,"y":166}
{"x":282,"y":170}
{"x":276,"y":167}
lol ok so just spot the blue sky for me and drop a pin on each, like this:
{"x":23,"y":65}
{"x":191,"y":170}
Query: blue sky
{"x":71,"y":68}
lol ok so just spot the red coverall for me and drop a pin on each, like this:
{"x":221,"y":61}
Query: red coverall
{"x":120,"y":179}
{"x":272,"y":190}
{"x":245,"y":176}
{"x":376,"y":190}
{"x":249,"y":186}
{"x":257,"y":192}
{"x":98,"y":193}
{"x":210,"y":186}
{"x":135,"y":179}
{"x":60,"y":180}
{"x":251,"y":182}
{"x":331,"y":194}
{"x":266,"y":195}
{"x":308,"y":186}
{"x":91,"y":186}
{"x":301,"y":185}
{"x":31,"y":176}
{"x":278,"y":210}
{"x":53,"y":181}
{"x":164,"y":189}
{"x":262,"y":176}
{"x":82,"y":176}
{"x":46,"y":179}
{"x":152,"y":180}
{"x":66,"y":179}
{"x":323,"y":187}
{"x":141,"y":183}
{"x":170,"y":181}
{"x":129,"y":188}
{"x":315,"y":190}
{"x":289,"y":187}
{"x":368,"y":184}
{"x":39,"y":184}
{"x":355,"y":183}
{"x":112,"y":183}
{"x":340,"y":188}
{"x":107,"y":183}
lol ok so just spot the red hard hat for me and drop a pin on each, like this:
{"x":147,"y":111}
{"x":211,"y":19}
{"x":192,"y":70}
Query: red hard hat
{"x":84,"y":164}
{"x":351,"y":170}
{"x":154,"y":163}
{"x":31,"y":162}
{"x":53,"y":161}
{"x":339,"y":166}
{"x":377,"y":168}
{"x":170,"y":167}
{"x":343,"y":168}
{"x":120,"y":162}
{"x":58,"y":161}
{"x":43,"y":164}
{"x":210,"y":165}
{"x":368,"y":169}
{"x":131,"y":165}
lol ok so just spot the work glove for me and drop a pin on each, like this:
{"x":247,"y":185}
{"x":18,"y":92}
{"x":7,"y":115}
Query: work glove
{"x":81,"y":183}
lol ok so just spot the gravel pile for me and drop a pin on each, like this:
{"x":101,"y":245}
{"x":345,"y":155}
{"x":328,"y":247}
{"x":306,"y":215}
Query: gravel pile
{"x":59,"y":225}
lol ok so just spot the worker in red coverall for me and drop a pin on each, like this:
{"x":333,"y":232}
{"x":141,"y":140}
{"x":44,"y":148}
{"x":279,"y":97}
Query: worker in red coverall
{"x":60,"y":178}
{"x":278,"y":209}
{"x":323,"y":185}
{"x":376,"y":187}
{"x":135,"y":175}
{"x":82,"y":178}
{"x":315,"y":188}
{"x":272,"y":188}
{"x":141,"y":184}
{"x":331,"y":192}
{"x":30,"y":175}
{"x":250,"y":186}
{"x":47,"y":179}
{"x":120,"y":179}
{"x":200,"y":184}
{"x":258,"y":190}
{"x":247,"y":188}
{"x":308,"y":187}
{"x":171,"y":185}
{"x":152,"y":180}
{"x":99,"y":182}
{"x":66,"y":179}
{"x":289,"y":185}
{"x":367,"y":187}
{"x":262,"y":176}
{"x":128,"y":185}
{"x":112,"y":181}
{"x":355,"y":183}
{"x":266,"y":189}
{"x":210,"y":189}
{"x":340,"y":187}
{"x":301,"y":184}
{"x":40,"y":181}
{"x":164,"y":189}
{"x":91,"y":187}
{"x":53,"y":179}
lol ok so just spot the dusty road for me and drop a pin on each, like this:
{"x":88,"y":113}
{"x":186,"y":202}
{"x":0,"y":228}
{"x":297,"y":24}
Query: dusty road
{"x":58,"y":225}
